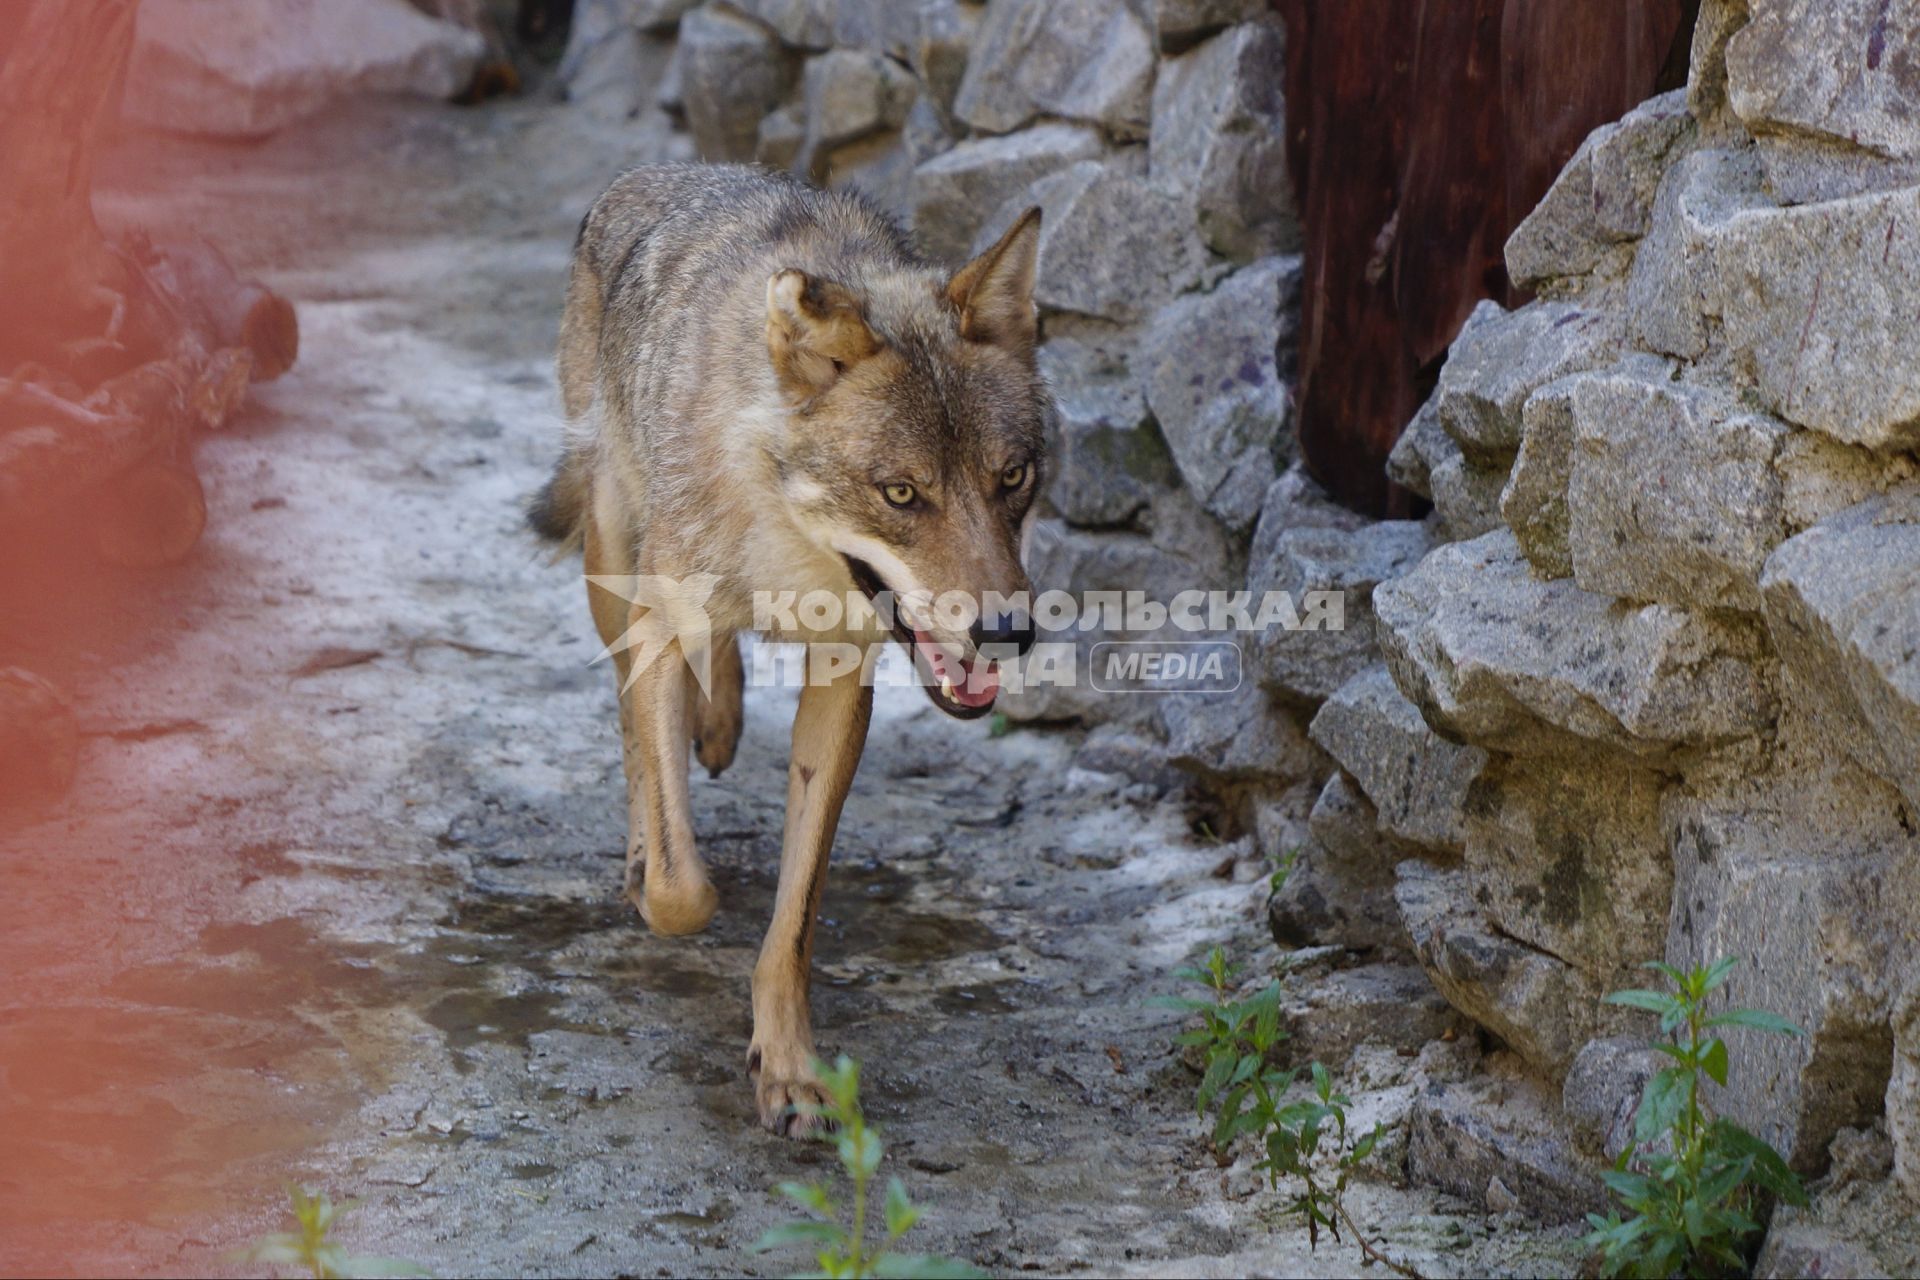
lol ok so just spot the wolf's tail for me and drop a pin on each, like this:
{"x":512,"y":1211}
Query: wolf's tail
{"x":558,"y":511}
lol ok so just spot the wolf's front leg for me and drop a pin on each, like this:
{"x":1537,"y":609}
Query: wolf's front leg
{"x":828,"y":735}
{"x":673,"y":894}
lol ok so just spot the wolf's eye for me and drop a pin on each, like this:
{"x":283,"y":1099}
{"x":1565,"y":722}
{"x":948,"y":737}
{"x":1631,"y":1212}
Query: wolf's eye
{"x":1014,"y":476}
{"x":900,"y":495}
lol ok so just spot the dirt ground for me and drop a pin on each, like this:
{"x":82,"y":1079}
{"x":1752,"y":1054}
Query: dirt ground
{"x":337,"y":896}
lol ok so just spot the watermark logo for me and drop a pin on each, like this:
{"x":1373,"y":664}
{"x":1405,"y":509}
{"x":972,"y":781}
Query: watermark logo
{"x":1175,"y":666}
{"x":666,"y":612}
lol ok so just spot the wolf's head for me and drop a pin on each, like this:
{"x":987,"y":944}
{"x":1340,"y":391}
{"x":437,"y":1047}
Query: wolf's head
{"x":917,"y":447}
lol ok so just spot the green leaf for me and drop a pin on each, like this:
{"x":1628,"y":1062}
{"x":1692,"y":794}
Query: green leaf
{"x":901,"y":1213}
{"x":808,"y":1195}
{"x":860,"y":1151}
{"x":1758,"y":1020}
{"x":1662,"y":1103}
{"x":1678,"y":978}
{"x":1717,"y":973}
{"x":1652,"y":1001}
{"x":1770,"y":1171}
{"x":789,"y":1233}
{"x":1628,"y":1186}
{"x":1322,"y":1081}
{"x":1713,"y":1060}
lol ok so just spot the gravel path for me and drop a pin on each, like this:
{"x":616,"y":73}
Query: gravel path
{"x":337,"y":897}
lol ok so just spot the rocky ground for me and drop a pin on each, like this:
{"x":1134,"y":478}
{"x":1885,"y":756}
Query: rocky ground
{"x":337,"y":896}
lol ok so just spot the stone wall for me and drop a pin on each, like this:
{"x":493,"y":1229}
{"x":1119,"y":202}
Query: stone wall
{"x":1678,"y":608}
{"x":1644,"y":685}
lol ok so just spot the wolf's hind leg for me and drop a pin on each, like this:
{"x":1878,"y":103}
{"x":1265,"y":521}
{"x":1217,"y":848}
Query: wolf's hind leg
{"x":828,"y":735}
{"x":717,"y":713}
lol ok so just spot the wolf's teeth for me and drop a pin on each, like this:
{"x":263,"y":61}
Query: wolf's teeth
{"x":946,"y":687}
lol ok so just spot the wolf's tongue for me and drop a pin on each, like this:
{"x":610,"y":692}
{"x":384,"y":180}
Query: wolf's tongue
{"x":973,"y":683}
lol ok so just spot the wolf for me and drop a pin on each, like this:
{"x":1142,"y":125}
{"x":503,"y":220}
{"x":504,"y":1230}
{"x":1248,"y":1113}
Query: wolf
{"x":768,"y":389}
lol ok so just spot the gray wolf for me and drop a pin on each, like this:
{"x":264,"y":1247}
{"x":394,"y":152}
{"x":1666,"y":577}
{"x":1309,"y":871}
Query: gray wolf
{"x":767,"y":385}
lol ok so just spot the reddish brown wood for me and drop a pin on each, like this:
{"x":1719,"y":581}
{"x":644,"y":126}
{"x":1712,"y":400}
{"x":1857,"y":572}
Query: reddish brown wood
{"x":149,"y":516}
{"x":1420,"y":132}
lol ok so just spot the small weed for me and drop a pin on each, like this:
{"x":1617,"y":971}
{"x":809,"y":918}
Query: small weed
{"x":1306,"y":1138}
{"x":1283,"y":868}
{"x":1689,"y":1180}
{"x":999,"y":726}
{"x":843,"y":1248}
{"x":310,"y":1250}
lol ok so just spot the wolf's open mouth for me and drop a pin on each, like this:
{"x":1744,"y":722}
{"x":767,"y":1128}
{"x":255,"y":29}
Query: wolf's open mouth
{"x":962,"y":687}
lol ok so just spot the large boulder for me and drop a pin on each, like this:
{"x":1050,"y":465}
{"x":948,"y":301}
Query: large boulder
{"x":1830,"y":92}
{"x":1416,"y":781}
{"x":1807,"y":870}
{"x":1112,"y":244}
{"x":849,"y":95}
{"x":1339,"y":889}
{"x":1541,"y":1006}
{"x":1843,"y":607}
{"x":1582,"y":231}
{"x":1673,"y":495}
{"x":1498,"y":1140}
{"x":1813,"y":300}
{"x":1570,"y":862}
{"x":1108,"y":460}
{"x":1180,"y":23}
{"x":1089,"y":60}
{"x":1309,"y":665}
{"x":247,"y":68}
{"x":1533,"y":502}
{"x":1502,"y":357}
{"x":1214,"y":383}
{"x":1493,"y":655}
{"x":1219,"y":138}
{"x":732,"y":72}
{"x":1235,"y":736}
{"x":956,"y":192}
{"x":1423,"y":445}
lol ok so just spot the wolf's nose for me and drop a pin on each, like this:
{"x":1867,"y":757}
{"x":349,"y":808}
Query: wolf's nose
{"x":1015,"y":629}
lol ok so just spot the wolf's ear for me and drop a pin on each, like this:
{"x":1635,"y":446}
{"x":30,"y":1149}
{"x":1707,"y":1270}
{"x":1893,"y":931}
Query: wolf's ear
{"x":994,"y":292}
{"x":815,"y":332}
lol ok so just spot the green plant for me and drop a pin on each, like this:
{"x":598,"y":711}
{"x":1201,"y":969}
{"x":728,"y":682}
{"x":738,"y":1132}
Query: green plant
{"x":843,"y":1249}
{"x":1282,"y":868}
{"x":1248,"y":1096}
{"x":999,"y":726}
{"x":310,"y":1250}
{"x":1689,"y":1180}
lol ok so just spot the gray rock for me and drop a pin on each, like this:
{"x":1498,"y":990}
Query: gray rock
{"x":248,"y":68}
{"x":1534,"y":502}
{"x":1601,"y":1094}
{"x":1112,"y":245}
{"x":1820,"y":477}
{"x":800,"y":24}
{"x":939,"y":46}
{"x":1392,"y":1005}
{"x":612,"y":74}
{"x":1571,"y":862}
{"x":1466,"y":497}
{"x":732,"y":72}
{"x":1813,"y":300}
{"x":1339,"y":890}
{"x":956,"y":191}
{"x":1235,"y":737}
{"x":1078,"y":561}
{"x":1843,"y":607}
{"x":1219,"y":138}
{"x":850,"y":95}
{"x":1501,"y":1131}
{"x":1108,"y":459}
{"x":1180,"y":23}
{"x":1673,"y":493}
{"x":1502,"y":357}
{"x":1311,"y":664}
{"x":656,"y":17}
{"x":1295,"y":501}
{"x":1417,"y":781}
{"x":782,"y":134}
{"x":1423,"y":444}
{"x":1707,"y":69}
{"x":1903,"y":1095}
{"x":1085,"y":60}
{"x":1798,"y":1244}
{"x":1810,"y":872}
{"x":1830,"y":93}
{"x":1602,"y":200}
{"x":1215,"y":387}
{"x":1541,"y":1007}
{"x":1492,"y":655}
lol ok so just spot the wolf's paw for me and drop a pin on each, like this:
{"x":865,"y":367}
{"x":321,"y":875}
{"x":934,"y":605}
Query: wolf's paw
{"x":674,"y":909}
{"x":790,"y":1098}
